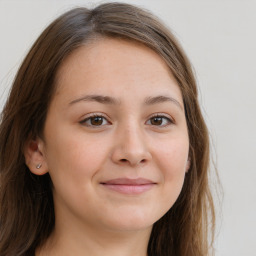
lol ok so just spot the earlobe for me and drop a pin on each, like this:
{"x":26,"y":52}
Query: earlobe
{"x":35,"y":159}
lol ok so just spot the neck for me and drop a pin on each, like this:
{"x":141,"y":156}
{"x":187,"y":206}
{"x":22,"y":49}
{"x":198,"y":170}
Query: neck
{"x":74,"y":240}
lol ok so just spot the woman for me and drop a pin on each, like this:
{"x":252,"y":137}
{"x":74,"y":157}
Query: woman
{"x":103,"y":148}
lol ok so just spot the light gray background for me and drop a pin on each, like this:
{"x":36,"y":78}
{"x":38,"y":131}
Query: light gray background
{"x":220,"y":39}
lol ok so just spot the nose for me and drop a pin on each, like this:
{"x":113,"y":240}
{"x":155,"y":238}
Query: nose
{"x":131,"y":147}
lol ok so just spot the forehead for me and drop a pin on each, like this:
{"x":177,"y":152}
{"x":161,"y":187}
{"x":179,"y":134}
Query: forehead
{"x":114,"y":65}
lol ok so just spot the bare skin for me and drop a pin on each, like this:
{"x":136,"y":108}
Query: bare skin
{"x":116,"y":147}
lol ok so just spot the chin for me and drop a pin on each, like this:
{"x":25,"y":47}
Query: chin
{"x":131,"y":220}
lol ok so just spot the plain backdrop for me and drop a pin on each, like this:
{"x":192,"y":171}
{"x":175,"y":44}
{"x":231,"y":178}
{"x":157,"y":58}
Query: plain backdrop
{"x":219,"y":37}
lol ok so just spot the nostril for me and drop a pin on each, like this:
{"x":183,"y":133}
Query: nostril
{"x":125,"y":160}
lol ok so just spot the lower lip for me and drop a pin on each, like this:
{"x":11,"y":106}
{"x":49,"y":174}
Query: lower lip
{"x":129,"y":189}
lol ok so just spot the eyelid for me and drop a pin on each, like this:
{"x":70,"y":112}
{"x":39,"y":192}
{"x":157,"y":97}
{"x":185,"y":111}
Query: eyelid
{"x":163,"y":115}
{"x":91,"y":115}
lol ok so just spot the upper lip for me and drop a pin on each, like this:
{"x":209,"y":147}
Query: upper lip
{"x":126,"y":181}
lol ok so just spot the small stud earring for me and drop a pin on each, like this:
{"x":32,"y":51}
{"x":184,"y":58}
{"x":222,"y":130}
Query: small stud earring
{"x":38,"y":166}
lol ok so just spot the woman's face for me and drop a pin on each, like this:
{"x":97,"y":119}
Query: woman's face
{"x":116,"y":141}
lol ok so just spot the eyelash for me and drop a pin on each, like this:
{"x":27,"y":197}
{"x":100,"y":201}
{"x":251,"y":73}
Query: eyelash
{"x":89,"y":118}
{"x":168,"y":119}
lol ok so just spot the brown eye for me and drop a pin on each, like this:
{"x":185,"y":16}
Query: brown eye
{"x":94,"y":121}
{"x":97,"y":120}
{"x":156,"y":120}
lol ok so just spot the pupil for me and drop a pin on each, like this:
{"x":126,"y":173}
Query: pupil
{"x":157,"y":121}
{"x":97,"y":120}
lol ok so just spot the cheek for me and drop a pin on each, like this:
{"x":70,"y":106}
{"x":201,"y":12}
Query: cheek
{"x":172,"y":161}
{"x":73,"y":159}
{"x":172,"y":156}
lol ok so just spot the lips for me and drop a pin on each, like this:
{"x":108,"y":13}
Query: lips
{"x":129,"y":186}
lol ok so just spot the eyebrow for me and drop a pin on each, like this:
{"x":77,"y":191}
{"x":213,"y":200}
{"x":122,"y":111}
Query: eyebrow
{"x":161,"y":99}
{"x":110,"y":100}
{"x":98,"y":98}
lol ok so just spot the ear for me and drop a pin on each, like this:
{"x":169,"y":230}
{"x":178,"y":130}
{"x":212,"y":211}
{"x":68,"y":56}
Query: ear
{"x":34,"y":157}
{"x":188,"y":164}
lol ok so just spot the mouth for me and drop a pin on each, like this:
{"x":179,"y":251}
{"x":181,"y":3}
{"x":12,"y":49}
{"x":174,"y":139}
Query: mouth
{"x":129,"y":186}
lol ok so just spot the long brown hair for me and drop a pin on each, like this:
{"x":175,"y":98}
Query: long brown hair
{"x":27,"y":212}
